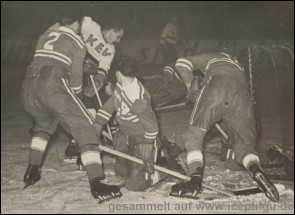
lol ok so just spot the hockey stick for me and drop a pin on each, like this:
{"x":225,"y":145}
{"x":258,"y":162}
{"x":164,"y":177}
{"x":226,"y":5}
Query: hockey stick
{"x":171,"y":106}
{"x":162,"y":169}
{"x":99,"y":102}
{"x":221,"y":131}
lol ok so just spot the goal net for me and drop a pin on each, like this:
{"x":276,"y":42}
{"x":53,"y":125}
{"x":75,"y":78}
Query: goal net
{"x":270,"y":71}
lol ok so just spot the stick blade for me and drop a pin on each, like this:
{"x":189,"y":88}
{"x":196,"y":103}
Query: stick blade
{"x":247,"y":191}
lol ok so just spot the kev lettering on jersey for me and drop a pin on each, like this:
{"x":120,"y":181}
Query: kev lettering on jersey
{"x":96,"y":45}
{"x":100,"y":46}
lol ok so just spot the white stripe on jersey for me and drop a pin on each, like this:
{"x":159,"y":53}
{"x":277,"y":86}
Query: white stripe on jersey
{"x":77,"y":91}
{"x":106,"y":113}
{"x":52,"y":56}
{"x":179,"y":78}
{"x":77,"y":101}
{"x":125,"y":97}
{"x":142,"y":89}
{"x":99,"y":113}
{"x":44,"y":51}
{"x":77,"y":88}
{"x":228,"y":60}
{"x":129,"y":117}
{"x":151,"y":134}
{"x":169,"y":71}
{"x":185,"y":63}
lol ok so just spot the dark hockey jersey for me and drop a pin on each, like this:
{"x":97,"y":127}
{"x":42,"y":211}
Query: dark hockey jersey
{"x":62,"y":47}
{"x":211,"y":64}
{"x":133,"y":111}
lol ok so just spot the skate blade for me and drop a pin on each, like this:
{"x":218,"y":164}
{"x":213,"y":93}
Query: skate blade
{"x":185,"y":195}
{"x":103,"y":199}
{"x":247,"y":191}
{"x":26,"y":186}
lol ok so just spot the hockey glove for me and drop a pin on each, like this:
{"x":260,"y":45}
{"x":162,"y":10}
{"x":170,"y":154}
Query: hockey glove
{"x":145,"y":152}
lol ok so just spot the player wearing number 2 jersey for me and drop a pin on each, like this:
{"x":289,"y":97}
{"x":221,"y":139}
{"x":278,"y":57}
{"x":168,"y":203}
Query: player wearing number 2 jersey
{"x":50,"y":95}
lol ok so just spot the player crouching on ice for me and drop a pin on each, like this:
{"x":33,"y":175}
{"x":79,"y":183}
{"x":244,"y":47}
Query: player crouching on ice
{"x":225,"y":96}
{"x":138,"y":127}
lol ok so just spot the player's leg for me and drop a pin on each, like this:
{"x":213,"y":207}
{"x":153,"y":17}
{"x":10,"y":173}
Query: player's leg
{"x":44,"y":124}
{"x":227,"y":154}
{"x":76,"y":119}
{"x":72,"y":150}
{"x":121,"y":144}
{"x":138,"y":179}
{"x":242,"y":124}
{"x":44,"y":127}
{"x":209,"y":109}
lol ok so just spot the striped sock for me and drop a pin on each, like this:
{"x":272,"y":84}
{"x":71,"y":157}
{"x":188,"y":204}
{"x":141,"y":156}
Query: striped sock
{"x":38,"y":147}
{"x":194,"y":160}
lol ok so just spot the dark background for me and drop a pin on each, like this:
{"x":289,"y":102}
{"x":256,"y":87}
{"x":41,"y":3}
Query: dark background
{"x":145,"y":19}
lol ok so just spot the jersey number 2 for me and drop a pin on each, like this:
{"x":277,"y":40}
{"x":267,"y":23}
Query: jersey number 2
{"x":55,"y":36}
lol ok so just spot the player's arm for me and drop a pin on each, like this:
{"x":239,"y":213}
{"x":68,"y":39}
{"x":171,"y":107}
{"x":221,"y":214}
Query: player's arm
{"x":168,"y":74}
{"x":76,"y":83}
{"x":148,"y":118}
{"x":185,"y":67}
{"x":106,"y":111}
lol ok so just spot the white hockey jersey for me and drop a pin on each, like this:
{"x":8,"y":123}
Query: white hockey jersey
{"x":96,"y":45}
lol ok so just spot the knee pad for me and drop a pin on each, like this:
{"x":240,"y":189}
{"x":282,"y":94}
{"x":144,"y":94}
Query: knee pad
{"x":193,"y":138}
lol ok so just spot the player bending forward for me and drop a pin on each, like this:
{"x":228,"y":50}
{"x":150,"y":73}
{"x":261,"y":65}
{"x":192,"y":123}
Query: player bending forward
{"x":226,"y":97}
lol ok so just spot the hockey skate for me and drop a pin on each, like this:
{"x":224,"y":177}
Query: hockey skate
{"x":79,"y":163}
{"x":32,"y":175}
{"x":169,"y":156}
{"x":189,"y":189}
{"x":72,"y":152}
{"x":104,"y":192}
{"x":264,"y":183}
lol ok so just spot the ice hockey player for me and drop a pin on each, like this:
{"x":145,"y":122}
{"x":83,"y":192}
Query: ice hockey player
{"x":226,"y":97}
{"x":138,"y":127}
{"x":100,"y":44}
{"x":50,"y":93}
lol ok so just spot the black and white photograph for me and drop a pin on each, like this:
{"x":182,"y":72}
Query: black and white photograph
{"x":144,"y":107}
